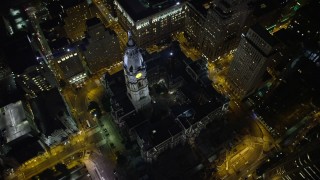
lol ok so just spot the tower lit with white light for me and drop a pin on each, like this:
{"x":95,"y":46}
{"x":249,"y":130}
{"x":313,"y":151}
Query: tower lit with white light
{"x":135,"y":75}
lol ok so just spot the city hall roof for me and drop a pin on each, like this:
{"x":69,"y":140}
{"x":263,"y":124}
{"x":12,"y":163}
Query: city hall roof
{"x":165,"y":119}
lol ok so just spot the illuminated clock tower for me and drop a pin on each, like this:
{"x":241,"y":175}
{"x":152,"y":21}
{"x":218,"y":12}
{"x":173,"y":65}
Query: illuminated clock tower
{"x":135,"y":75}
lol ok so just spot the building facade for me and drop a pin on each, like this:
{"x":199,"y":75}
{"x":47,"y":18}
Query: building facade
{"x":52,"y":117}
{"x":251,"y":60}
{"x":150,"y":22}
{"x":103,"y":48}
{"x":222,"y":28}
{"x":75,"y":20}
{"x":136,"y":76}
{"x":15,"y":20}
{"x":36,"y":79}
{"x":194,"y":21}
{"x":68,"y":66}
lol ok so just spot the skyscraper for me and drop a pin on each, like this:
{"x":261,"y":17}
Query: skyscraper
{"x":222,"y":27}
{"x":196,"y":12}
{"x":251,"y":59}
{"x":135,"y":75}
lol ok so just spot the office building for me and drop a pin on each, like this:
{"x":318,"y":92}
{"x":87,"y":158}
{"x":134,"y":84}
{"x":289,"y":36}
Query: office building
{"x":250,"y":60}
{"x":30,"y":73}
{"x":52,"y":117}
{"x":103,"y":48}
{"x":196,"y":13}
{"x":15,"y":19}
{"x":298,"y":53}
{"x":151,"y":22}
{"x":294,"y":88}
{"x":70,"y":67}
{"x":222,"y":28}
{"x":76,"y":14}
{"x":19,"y":140}
{"x":36,"y":79}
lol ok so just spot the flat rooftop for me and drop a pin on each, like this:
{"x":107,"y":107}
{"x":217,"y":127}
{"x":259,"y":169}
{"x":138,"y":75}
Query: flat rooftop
{"x":71,"y":66}
{"x":14,"y":120}
{"x":47,"y":107}
{"x":262,"y":32}
{"x":139,"y":9}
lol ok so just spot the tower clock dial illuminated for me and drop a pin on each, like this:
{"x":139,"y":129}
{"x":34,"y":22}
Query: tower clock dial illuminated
{"x":135,"y":72}
{"x":139,"y":75}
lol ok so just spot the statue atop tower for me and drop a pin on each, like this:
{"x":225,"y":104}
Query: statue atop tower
{"x":135,"y":75}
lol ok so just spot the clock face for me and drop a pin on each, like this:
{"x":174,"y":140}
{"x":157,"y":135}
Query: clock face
{"x":139,"y":75}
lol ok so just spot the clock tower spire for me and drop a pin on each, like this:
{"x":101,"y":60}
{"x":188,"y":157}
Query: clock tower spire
{"x":135,"y":75}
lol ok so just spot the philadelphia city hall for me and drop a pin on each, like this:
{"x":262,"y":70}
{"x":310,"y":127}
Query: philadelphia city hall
{"x":162,"y":99}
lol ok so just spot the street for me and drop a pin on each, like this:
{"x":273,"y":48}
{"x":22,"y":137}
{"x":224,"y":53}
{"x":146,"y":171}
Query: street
{"x":242,"y":159}
{"x":80,"y":142}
